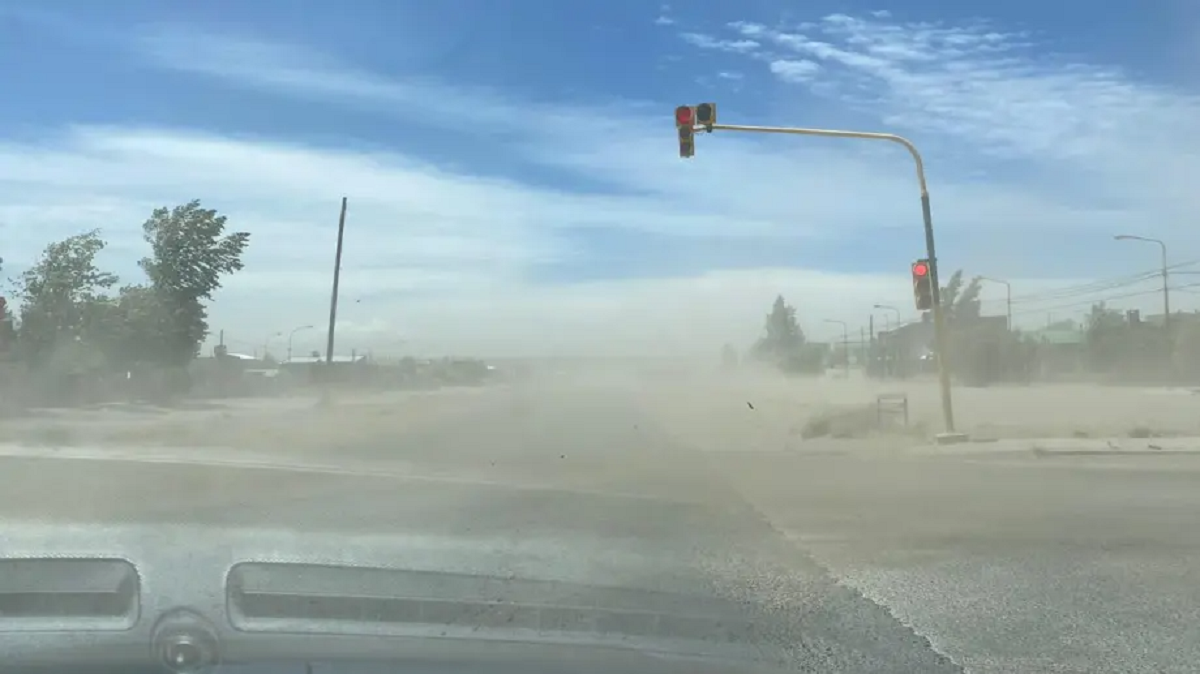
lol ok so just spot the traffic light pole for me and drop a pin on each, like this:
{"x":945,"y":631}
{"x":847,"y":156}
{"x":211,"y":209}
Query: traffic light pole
{"x":939,"y":322}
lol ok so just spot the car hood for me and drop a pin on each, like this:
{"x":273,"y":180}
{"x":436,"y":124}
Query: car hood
{"x":674,"y":572}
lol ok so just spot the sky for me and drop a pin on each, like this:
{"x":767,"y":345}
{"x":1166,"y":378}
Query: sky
{"x":513,"y":178}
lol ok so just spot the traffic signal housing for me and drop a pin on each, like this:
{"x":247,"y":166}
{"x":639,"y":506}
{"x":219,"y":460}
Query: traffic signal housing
{"x":687,"y":142}
{"x":922,"y":285}
{"x":685,"y":122}
{"x":706,"y":115}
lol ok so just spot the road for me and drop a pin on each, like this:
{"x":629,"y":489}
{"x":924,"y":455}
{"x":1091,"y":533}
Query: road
{"x":890,"y":561}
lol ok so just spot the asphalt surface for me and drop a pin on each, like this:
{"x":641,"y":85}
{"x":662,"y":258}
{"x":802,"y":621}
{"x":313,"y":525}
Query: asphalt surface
{"x":879,"y":560}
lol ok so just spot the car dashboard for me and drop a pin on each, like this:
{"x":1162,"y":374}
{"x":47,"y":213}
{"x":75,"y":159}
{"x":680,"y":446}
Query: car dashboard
{"x":179,"y":598}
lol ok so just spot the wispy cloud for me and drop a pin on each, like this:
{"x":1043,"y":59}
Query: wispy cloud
{"x":734,"y":46}
{"x":444,"y":255}
{"x":1003,"y":91}
{"x":793,"y":70}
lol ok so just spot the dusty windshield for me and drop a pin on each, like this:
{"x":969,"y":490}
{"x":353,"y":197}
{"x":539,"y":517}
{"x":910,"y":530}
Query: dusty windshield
{"x":856,"y":340}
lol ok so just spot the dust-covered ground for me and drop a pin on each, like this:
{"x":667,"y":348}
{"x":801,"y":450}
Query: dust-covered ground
{"x":993,"y":562}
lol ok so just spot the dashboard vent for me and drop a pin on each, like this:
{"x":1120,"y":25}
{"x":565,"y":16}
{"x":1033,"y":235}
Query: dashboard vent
{"x":297,"y":597}
{"x":73,"y":594}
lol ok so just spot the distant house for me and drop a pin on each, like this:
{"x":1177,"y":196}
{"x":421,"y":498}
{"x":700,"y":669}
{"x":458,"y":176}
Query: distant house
{"x":340,"y":368}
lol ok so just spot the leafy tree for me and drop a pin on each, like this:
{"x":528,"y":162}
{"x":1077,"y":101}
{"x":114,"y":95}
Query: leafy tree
{"x":961,"y":299}
{"x":64,"y":300}
{"x":782,"y":333}
{"x":190,"y":253}
{"x":783,"y":342}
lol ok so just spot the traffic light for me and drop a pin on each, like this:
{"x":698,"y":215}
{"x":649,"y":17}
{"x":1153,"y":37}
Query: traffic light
{"x":685,"y":122}
{"x":685,"y":115}
{"x":922,"y":285}
{"x":687,"y":142}
{"x":706,"y":115}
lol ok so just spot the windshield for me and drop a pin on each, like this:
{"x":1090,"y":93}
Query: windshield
{"x":859,"y":338}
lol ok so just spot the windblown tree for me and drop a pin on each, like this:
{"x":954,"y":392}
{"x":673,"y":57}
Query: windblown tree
{"x":783,"y":342}
{"x":64,"y":300}
{"x":190,"y":253}
{"x":960,"y":298}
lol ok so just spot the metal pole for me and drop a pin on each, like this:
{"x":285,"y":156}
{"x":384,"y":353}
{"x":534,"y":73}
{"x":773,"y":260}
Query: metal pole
{"x":889,"y":307}
{"x":333,"y":300}
{"x":1008,"y":296}
{"x":293,"y":334}
{"x":1166,"y":291}
{"x":1165,"y":276}
{"x":845,"y":342}
{"x":939,"y":322}
{"x":1008,"y":304}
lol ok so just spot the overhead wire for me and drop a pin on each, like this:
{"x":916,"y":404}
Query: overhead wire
{"x":1090,"y":288}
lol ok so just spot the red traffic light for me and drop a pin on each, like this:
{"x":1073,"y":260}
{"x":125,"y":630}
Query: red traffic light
{"x":920,"y":269}
{"x":685,"y":116}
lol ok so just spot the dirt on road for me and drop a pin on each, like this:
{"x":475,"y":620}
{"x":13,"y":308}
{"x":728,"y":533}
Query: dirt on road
{"x":763,"y":411}
{"x":298,"y":424}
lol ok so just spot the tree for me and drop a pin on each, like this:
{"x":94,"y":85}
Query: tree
{"x":190,"y":253}
{"x":783,"y":343}
{"x":64,"y":300}
{"x":961,"y":300}
{"x":782,"y":333}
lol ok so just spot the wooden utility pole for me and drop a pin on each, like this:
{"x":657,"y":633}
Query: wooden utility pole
{"x":333,"y":300}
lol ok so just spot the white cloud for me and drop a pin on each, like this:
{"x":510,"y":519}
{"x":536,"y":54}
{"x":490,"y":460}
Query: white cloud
{"x":440,"y":257}
{"x":706,"y":42}
{"x":999,"y":90}
{"x":794,"y":70}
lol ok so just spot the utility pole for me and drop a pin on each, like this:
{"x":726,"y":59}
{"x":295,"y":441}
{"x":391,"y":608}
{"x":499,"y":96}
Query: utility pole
{"x":333,"y":300}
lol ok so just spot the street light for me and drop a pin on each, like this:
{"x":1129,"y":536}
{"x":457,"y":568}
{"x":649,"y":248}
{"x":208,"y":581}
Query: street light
{"x":293,"y":334}
{"x":939,"y":324}
{"x":845,"y":342}
{"x":1166,"y":291}
{"x":1008,"y":291}
{"x":889,"y":307}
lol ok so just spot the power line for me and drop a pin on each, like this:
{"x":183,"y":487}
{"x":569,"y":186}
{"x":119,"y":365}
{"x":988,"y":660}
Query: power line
{"x":1091,"y":287}
{"x":1092,"y":301}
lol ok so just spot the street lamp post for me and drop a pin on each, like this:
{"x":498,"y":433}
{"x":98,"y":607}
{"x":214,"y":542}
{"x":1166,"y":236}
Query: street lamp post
{"x":293,"y":334}
{"x":845,"y":343}
{"x":692,"y":121}
{"x":1165,"y":276}
{"x":1008,"y":299}
{"x":889,"y":307}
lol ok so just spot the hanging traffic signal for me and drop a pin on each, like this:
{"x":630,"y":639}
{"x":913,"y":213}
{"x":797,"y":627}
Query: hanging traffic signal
{"x":706,"y":115}
{"x":685,"y":122}
{"x":685,"y":115}
{"x":687,"y":118}
{"x":922,"y":285}
{"x":687,"y":142}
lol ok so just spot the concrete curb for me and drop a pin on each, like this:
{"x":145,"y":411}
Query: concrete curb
{"x":1070,"y":447}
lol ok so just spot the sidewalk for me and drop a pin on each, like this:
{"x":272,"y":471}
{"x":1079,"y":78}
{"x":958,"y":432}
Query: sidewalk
{"x":1114,"y":446}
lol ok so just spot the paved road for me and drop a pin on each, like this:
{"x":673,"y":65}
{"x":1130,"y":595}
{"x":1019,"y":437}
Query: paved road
{"x":888,"y":562}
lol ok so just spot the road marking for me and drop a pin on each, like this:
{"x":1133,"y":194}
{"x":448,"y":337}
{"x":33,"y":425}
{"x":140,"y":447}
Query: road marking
{"x":212,"y":458}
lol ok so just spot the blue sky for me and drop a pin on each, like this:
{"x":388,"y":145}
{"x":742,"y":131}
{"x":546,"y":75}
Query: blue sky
{"x":512,"y":165}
